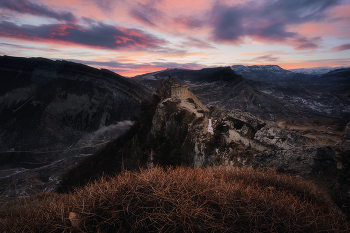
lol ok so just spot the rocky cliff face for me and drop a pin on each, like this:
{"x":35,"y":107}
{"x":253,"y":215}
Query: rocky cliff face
{"x":219,"y":136}
{"x":223,"y":136}
{"x":306,"y":160}
{"x":182,"y":135}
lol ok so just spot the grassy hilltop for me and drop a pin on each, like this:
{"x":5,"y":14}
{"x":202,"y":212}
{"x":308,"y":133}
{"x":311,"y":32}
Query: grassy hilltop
{"x":217,"y":199}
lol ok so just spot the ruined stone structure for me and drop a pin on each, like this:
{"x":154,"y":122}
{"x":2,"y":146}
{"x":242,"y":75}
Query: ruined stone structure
{"x":182,"y":93}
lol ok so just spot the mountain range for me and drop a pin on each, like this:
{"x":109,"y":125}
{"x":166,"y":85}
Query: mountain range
{"x":266,"y":91}
{"x":269,"y":73}
{"x":54,"y":114}
{"x":316,"y":70}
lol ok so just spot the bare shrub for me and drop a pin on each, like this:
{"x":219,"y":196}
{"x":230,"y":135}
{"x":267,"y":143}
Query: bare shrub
{"x":221,"y":199}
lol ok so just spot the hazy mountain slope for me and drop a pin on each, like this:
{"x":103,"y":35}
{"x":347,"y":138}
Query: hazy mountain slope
{"x":337,"y":76}
{"x":308,"y":102}
{"x":190,"y":77}
{"x":269,"y":73}
{"x":278,"y":97}
{"x":55,"y":113}
{"x":316,"y":70}
{"x":45,"y":103}
{"x":218,"y":86}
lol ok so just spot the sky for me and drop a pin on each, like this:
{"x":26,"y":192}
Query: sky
{"x":132,"y":37}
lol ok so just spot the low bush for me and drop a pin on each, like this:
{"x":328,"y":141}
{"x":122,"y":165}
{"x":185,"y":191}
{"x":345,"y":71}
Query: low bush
{"x":180,"y":199}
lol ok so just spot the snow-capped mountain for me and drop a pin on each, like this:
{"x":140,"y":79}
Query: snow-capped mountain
{"x":271,"y":68}
{"x":315,"y":70}
{"x":269,"y":73}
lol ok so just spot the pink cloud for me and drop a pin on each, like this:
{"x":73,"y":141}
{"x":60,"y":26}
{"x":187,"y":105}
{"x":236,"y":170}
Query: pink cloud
{"x":98,"y":35}
{"x":341,"y":48}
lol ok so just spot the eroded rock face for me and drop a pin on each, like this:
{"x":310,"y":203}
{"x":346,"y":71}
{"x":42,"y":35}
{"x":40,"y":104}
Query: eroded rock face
{"x":256,"y":133}
{"x":272,"y":135}
{"x":305,"y":160}
{"x":234,"y":139}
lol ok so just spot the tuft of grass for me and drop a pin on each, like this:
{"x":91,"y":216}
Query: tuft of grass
{"x":219,"y":199}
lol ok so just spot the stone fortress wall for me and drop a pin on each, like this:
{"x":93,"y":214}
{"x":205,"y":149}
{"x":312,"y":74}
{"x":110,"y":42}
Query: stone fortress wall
{"x":182,"y":93}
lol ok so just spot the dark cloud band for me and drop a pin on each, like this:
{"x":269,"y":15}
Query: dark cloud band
{"x":27,"y":7}
{"x":268,"y":21}
{"x":97,"y":35}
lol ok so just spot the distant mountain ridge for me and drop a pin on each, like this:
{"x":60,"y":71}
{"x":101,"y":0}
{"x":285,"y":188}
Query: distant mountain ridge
{"x":266,"y":91}
{"x":269,"y":73}
{"x":206,"y":75}
{"x":316,"y":70}
{"x":337,"y":76}
{"x":219,"y":86}
{"x":272,"y":68}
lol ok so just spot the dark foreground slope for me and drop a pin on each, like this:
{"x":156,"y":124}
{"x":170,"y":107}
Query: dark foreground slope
{"x":180,"y":200}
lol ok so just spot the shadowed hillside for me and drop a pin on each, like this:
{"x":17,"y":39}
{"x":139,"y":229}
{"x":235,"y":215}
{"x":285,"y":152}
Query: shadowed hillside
{"x":45,"y":103}
{"x":55,"y":113}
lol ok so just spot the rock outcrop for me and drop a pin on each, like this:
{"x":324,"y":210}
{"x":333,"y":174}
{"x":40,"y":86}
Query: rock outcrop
{"x":254,"y":132}
{"x":306,"y":160}
{"x":220,"y":136}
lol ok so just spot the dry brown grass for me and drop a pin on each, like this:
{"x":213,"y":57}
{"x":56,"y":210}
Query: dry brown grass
{"x":180,"y":200}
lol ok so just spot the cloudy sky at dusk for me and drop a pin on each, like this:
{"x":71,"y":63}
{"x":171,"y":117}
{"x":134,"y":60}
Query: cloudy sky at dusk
{"x":133,"y":37}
